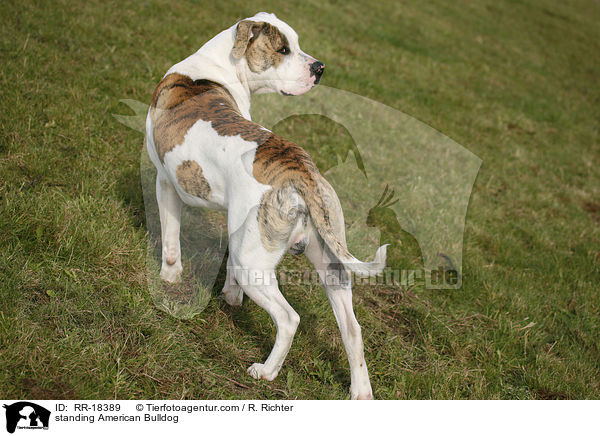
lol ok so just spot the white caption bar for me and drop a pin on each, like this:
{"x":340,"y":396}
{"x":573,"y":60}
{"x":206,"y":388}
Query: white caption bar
{"x":157,"y":417}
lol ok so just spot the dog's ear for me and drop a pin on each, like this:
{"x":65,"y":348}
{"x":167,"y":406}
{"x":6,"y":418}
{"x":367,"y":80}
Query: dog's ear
{"x":246,"y":30}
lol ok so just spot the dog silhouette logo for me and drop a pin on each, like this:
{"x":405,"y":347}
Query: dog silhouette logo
{"x":26,"y":415}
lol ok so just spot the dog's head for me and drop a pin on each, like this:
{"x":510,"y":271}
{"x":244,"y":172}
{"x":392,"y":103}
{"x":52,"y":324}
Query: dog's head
{"x":275,"y":62}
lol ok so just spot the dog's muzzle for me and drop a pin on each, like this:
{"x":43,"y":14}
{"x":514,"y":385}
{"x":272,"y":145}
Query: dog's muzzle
{"x":316,"y":69}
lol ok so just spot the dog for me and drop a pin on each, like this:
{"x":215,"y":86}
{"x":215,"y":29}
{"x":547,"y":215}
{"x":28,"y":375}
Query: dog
{"x":209,"y":153}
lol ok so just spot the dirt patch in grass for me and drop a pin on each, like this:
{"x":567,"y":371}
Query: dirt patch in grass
{"x":593,"y":208}
{"x":56,"y":390}
{"x":548,"y":394}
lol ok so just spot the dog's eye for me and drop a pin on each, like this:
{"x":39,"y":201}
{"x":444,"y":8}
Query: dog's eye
{"x":284,"y":50}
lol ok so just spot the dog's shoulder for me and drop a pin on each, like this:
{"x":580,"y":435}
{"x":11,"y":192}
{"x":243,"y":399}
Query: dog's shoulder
{"x":179,"y":102}
{"x":175,"y":90}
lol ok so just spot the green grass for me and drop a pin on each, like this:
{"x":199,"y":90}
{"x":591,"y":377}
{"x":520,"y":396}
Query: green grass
{"x":515,"y":82}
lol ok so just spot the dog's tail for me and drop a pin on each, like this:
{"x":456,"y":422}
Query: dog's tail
{"x":321,"y":200}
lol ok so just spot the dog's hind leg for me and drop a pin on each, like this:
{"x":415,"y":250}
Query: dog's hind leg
{"x":169,"y":205}
{"x":253,"y":267}
{"x":338,"y":286}
{"x":260,"y":284}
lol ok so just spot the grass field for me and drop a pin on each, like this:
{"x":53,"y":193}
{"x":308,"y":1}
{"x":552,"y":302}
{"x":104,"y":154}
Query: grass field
{"x":515,"y":82}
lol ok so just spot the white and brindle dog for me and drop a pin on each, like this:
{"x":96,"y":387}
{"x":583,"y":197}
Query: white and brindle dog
{"x":209,"y":153}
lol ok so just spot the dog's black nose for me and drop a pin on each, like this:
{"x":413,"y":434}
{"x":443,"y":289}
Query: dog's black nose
{"x":316,"y":69}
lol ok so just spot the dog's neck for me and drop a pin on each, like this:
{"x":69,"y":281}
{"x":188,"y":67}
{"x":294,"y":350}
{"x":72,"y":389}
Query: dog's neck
{"x":214,"y":62}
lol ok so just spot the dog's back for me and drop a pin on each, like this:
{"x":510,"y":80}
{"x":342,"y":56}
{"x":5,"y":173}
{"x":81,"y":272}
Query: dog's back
{"x":298,"y":191}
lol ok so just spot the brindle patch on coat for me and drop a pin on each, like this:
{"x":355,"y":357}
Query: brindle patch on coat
{"x":178,"y":102}
{"x":191,"y":179}
{"x":260,"y":42}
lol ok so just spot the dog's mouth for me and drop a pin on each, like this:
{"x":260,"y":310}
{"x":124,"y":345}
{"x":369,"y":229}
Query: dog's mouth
{"x":304,"y":90}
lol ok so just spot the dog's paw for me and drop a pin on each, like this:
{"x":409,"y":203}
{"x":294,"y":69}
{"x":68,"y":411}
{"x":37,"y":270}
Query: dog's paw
{"x":171,"y":273}
{"x":259,"y":371}
{"x":233,"y":295}
{"x":368,"y":395}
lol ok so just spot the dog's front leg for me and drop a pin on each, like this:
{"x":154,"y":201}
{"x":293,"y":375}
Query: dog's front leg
{"x":169,"y":205}
{"x":232,"y":292}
